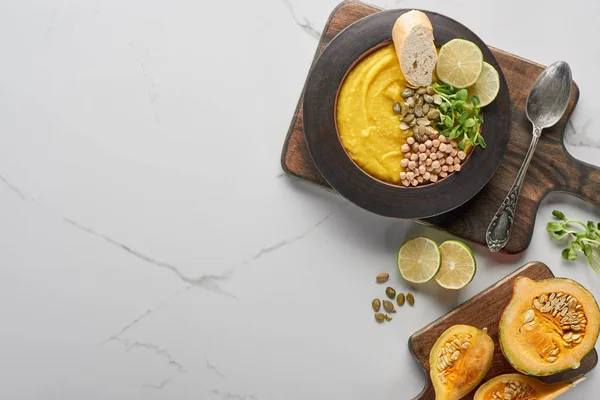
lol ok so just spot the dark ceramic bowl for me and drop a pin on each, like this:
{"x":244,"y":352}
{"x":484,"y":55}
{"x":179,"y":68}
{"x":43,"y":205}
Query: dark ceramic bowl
{"x":320,"y":125}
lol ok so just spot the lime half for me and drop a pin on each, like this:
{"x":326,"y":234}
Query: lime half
{"x":419,"y":260}
{"x":487,"y":86}
{"x":459,"y":63}
{"x":458,"y":265}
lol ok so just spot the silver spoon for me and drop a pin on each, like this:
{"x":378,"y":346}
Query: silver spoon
{"x":546,"y":104}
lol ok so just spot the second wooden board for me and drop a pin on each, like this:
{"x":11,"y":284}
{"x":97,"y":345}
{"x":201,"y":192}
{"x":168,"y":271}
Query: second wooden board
{"x":484,"y":311}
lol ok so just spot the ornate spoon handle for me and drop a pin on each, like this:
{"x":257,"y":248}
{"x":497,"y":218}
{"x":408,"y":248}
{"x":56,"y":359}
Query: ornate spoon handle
{"x":498,"y":232}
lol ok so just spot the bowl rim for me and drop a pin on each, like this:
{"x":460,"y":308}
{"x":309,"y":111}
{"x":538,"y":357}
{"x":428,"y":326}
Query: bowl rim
{"x":344,"y":175}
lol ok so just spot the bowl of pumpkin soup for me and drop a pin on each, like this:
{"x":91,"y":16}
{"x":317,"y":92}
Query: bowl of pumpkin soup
{"x":387,"y":144}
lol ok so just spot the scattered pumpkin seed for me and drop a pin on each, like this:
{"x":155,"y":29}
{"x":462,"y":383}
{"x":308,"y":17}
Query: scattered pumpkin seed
{"x":384,"y":276}
{"x":400,"y":300}
{"x":376,"y":304}
{"x":391,"y":293}
{"x":410,"y":299}
{"x":388,"y":306}
{"x":388,"y":318}
{"x":397,"y":108}
{"x":380,"y":317}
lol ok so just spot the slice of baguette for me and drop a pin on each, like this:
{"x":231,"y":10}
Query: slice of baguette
{"x":413,"y":39}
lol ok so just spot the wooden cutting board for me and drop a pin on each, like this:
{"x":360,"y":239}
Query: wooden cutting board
{"x":552,"y":168}
{"x":484,"y":311}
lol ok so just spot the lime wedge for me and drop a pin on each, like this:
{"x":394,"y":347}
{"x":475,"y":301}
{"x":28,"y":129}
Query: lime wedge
{"x":458,"y":265}
{"x":419,"y":260}
{"x":459,"y":63}
{"x":487,"y":86}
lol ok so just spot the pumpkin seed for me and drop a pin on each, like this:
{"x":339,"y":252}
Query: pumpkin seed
{"x":410,"y":299}
{"x":380,"y":317}
{"x":376,"y":303}
{"x":408,"y":117}
{"x":422,"y":90}
{"x":388,"y":318}
{"x":400,"y":300}
{"x":391,"y":293}
{"x":397,"y":108}
{"x":383,"y":276}
{"x":437,"y":99}
{"x":433,"y":114}
{"x":420,"y":101}
{"x":404,"y":126}
{"x":406,"y":93}
{"x":388,"y":306}
{"x":419,"y":110}
{"x":425,"y":108}
{"x":404,"y":110}
{"x":417,"y":135}
{"x":421,"y":131}
{"x":410,"y":101}
{"x":430,"y":90}
{"x":428,"y":98}
{"x":423,"y":121}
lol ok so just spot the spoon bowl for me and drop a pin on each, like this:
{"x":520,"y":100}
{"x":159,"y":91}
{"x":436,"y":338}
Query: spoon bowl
{"x":550,"y":95}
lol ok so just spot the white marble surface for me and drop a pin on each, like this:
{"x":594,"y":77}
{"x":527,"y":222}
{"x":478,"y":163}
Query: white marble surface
{"x":150,"y":247}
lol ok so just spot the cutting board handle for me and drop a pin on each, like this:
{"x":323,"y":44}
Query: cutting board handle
{"x":582,"y":180}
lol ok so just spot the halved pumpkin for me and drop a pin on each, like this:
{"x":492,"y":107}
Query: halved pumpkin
{"x":521,"y":387}
{"x":459,"y":360}
{"x":548,"y":326}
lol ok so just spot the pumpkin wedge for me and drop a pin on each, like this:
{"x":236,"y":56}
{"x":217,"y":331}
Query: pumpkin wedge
{"x":459,"y":360}
{"x":548,"y":326}
{"x":522,"y":387}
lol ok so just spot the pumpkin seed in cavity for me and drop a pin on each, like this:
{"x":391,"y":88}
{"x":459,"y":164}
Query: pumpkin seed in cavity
{"x":380,"y":317}
{"x":376,"y":304}
{"x":400,"y":300}
{"x":388,"y":306}
{"x":384,"y":276}
{"x":397,"y":108}
{"x":410,"y":299}
{"x":391,"y":293}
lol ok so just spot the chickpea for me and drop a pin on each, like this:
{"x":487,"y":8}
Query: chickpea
{"x":440,"y":154}
{"x":407,"y":155}
{"x":428,"y":162}
{"x":433,"y":178}
{"x":405,"y":148}
{"x":420,"y":179}
{"x":410,"y":175}
{"x":405,"y":183}
{"x":457,"y":167}
{"x":414,"y":157}
{"x":410,"y":140}
{"x":426,"y":176}
{"x":404,"y":162}
{"x":415,"y":146}
{"x":422,"y":148}
{"x":443,"y":174}
{"x":444,"y":168}
{"x":436,"y":143}
{"x":442,"y":147}
{"x":449,"y":160}
{"x":412,"y":165}
{"x":422,"y":169}
{"x":456,"y":160}
{"x":414,"y":182}
{"x":433,"y":156}
{"x":462,"y":155}
{"x":422,"y":156}
{"x":435,"y":164}
{"x":443,"y":139}
{"x":428,"y":144}
{"x":454,"y":152}
{"x":451,"y":168}
{"x":403,"y":175}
